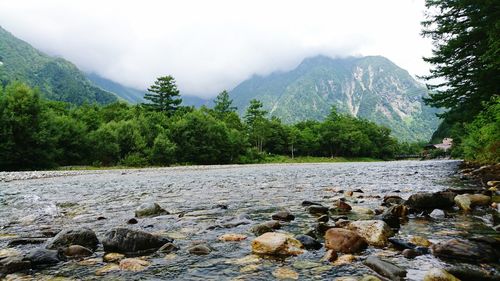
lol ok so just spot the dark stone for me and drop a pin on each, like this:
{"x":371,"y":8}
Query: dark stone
{"x":410,"y":253}
{"x":312,"y":233}
{"x":82,"y":236}
{"x":430,"y":201}
{"x":260,"y":229}
{"x":132,"y":242}
{"x":323,"y":218}
{"x":401,"y":244}
{"x":469,"y":272}
{"x":11,"y":264}
{"x":199,"y":250}
{"x":322,"y":227}
{"x":26,"y":241}
{"x":358,"y":190}
{"x":386,"y":269}
{"x":464,"y":250}
{"x":308,"y":242}
{"x":309,"y":203}
{"x":221,"y":206}
{"x":393,"y":215}
{"x":422,"y":250}
{"x":273,"y":224}
{"x":168,"y":248}
{"x":392,"y":200}
{"x":317,"y":210}
{"x":150,"y":210}
{"x":132,"y":221}
{"x":101,"y":218}
{"x":42,"y":257}
{"x":283,"y":216}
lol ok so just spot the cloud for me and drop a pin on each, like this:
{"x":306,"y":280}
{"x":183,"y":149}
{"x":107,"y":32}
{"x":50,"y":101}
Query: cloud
{"x":213,"y":45}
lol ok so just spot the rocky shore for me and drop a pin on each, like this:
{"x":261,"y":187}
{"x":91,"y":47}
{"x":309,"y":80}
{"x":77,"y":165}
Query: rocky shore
{"x":344,"y":231}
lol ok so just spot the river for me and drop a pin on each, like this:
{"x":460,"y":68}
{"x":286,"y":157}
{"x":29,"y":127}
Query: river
{"x":101,"y":200}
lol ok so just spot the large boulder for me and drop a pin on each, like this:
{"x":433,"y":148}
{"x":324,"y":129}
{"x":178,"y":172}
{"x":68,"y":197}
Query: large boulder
{"x":11,"y":260}
{"x":467,"y":201}
{"x":439,"y":274}
{"x":464,"y":250}
{"x":424,"y":201}
{"x":82,"y":236}
{"x":375,"y":232}
{"x":132,"y":242}
{"x":343,"y":240}
{"x":150,"y":210}
{"x":386,"y":269}
{"x":273,"y":243}
{"x":44,"y":257}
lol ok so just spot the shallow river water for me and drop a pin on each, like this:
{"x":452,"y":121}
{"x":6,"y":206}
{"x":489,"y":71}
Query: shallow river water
{"x":33,"y":208}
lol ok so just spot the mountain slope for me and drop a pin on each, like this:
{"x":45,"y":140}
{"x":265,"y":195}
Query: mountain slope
{"x":58,"y":79}
{"x":129,"y":94}
{"x":373,"y":88}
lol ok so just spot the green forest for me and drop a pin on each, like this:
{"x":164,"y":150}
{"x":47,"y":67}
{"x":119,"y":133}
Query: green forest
{"x":36,"y":133}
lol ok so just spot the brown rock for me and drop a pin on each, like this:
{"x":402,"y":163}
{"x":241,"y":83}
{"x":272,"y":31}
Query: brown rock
{"x":330,"y":256}
{"x":343,"y":240}
{"x":77,"y":251}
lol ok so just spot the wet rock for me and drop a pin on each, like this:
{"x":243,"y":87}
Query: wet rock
{"x":370,"y":278}
{"x":285,"y":273}
{"x":132,"y":221}
{"x":346,"y":278}
{"x":132,"y":264}
{"x":393,"y":215}
{"x":323,"y":218}
{"x":311,"y":232}
{"x":12,"y":261}
{"x":392,"y":200}
{"x":437,"y":214}
{"x":82,"y":236}
{"x":493,"y":183}
{"x":113,"y":257}
{"x":42,"y":257}
{"x":467,"y":201}
{"x":106,"y":269}
{"x":424,"y":201}
{"x":272,"y":243}
{"x":168,"y":248}
{"x":469,"y":272}
{"x":330,"y":256}
{"x":309,"y":203}
{"x":199,"y":250}
{"x":322,"y":227}
{"x":100,"y":218}
{"x":132,"y":242}
{"x":342,"y":207}
{"x":362,"y":211}
{"x":317,"y":210}
{"x":420,"y":241}
{"x":344,"y":259}
{"x":283,"y":216}
{"x":232,"y":237}
{"x":463,"y":250}
{"x":375,"y":232}
{"x":401,"y":244}
{"x":273,"y":224}
{"x":342,"y":223}
{"x":26,"y":241}
{"x":438,"y":274}
{"x":77,"y":251}
{"x":343,"y":240}
{"x":150,"y":210}
{"x":222,"y":206}
{"x":308,"y":242}
{"x":410,"y":253}
{"x":386,"y":269}
{"x":260,"y":229}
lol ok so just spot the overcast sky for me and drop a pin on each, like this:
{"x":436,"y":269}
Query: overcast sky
{"x":213,"y":45}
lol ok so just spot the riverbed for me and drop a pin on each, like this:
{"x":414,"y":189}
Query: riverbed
{"x":197,"y":197}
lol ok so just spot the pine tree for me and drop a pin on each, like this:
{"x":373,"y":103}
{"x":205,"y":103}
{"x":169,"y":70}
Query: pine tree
{"x":163,"y":95}
{"x":223,"y":104}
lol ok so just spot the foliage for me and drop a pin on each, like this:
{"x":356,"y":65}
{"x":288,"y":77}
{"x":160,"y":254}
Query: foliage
{"x":163,"y":95}
{"x":223,"y":104}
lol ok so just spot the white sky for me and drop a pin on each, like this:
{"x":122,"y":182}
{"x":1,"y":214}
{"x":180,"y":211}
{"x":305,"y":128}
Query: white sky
{"x":210,"y":45}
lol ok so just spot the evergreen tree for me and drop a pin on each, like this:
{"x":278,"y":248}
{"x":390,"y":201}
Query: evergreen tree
{"x":257,"y":123}
{"x":163,"y":95}
{"x":223,"y":104}
{"x":466,"y":54}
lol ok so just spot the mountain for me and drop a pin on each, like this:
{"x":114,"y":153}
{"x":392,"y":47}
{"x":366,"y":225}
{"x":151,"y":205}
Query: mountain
{"x":128,"y":94}
{"x":371,"y":87}
{"x":58,"y":79}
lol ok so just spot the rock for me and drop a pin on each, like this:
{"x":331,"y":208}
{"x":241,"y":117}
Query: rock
{"x":471,"y":272}
{"x":150,"y":210}
{"x":132,"y":264}
{"x":309,"y":203}
{"x":260,"y":229}
{"x":168,"y":248}
{"x":420,"y":241}
{"x":132,"y":242}
{"x":348,"y":193}
{"x":322,"y":227}
{"x":438,"y":274}
{"x":375,"y":232}
{"x":346,"y":278}
{"x":410,"y":253}
{"x":82,"y":236}
{"x":438,"y":214}
{"x":232,"y":237}
{"x":113,"y":257}
{"x":463,"y":250}
{"x":343,"y":240}
{"x":26,"y":241}
{"x":330,"y":256}
{"x":199,"y":250}
{"x":362,"y":211}
{"x":317,"y":210}
{"x":77,"y":251}
{"x":132,"y":221}
{"x":273,"y":224}
{"x":42,"y":257}
{"x":424,"y":201}
{"x":467,"y":201}
{"x":308,"y":242}
{"x":342,"y":223}
{"x":285,"y":273}
{"x":386,"y":269}
{"x":222,"y":206}
{"x":323,"y":218}
{"x":12,"y":261}
{"x":344,"y":259}
{"x":370,"y":278}
{"x":401,"y":244}
{"x":283,"y":216}
{"x":342,"y":206}
{"x":107,"y":268}
{"x":272,"y":243}
{"x":493,"y":183}
{"x":393,"y":215}
{"x":392,"y":200}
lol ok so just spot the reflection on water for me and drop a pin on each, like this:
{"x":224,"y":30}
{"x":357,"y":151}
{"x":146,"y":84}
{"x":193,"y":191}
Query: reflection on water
{"x":191,"y":194}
